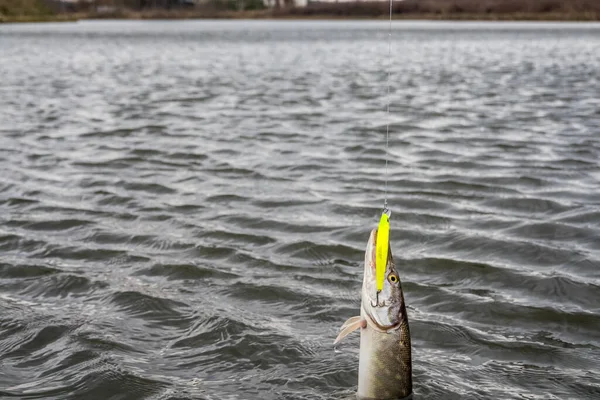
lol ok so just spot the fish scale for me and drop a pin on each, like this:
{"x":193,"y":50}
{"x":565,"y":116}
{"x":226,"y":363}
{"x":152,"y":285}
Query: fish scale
{"x":384,"y":371}
{"x":388,"y":363}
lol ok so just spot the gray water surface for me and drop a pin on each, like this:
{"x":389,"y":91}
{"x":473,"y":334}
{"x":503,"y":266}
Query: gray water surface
{"x":184,"y":206}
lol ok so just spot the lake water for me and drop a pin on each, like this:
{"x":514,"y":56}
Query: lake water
{"x":184,"y":206}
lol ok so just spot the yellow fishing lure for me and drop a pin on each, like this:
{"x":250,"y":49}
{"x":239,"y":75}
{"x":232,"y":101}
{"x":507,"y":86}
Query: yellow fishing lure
{"x":381,"y":252}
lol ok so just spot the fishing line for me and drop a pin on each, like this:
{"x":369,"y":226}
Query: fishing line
{"x":387,"y":128}
{"x":383,"y":230}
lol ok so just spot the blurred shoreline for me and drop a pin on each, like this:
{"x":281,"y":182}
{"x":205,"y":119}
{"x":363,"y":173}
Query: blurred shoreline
{"x":299,"y":16}
{"x":471,"y":10}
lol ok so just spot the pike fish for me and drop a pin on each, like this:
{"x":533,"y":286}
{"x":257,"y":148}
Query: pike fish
{"x":385,"y":370}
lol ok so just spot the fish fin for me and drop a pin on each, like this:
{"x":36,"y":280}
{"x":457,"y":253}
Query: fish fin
{"x":350,"y":321}
{"x":350,"y":326}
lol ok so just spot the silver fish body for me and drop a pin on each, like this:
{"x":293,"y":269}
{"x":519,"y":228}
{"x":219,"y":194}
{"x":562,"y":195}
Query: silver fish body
{"x":385,"y":368}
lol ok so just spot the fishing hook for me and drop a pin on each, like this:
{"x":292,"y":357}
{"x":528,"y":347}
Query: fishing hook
{"x":377,"y":301}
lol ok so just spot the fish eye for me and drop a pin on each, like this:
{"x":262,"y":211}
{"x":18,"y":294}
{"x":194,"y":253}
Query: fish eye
{"x":393,"y":278}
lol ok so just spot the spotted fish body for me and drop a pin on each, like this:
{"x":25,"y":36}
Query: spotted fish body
{"x":385,"y":370}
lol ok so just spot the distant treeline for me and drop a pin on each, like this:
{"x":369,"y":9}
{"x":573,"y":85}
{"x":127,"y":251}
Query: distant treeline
{"x":15,"y":8}
{"x":472,"y":9}
{"x":11,"y":10}
{"x":41,"y":10}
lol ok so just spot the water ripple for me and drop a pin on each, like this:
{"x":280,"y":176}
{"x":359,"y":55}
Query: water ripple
{"x":185,"y":205}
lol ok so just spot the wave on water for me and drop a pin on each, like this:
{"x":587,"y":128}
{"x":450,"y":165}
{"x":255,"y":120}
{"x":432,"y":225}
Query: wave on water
{"x":185,"y":206}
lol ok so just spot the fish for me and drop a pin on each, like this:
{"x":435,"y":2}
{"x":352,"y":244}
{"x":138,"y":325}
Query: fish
{"x":385,"y":364}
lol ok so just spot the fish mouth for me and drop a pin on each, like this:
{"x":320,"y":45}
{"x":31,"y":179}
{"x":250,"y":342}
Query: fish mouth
{"x":373,"y":304}
{"x":369,"y":284}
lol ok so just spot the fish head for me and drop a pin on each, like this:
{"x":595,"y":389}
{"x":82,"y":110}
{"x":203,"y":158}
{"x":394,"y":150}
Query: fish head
{"x":383,"y":307}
